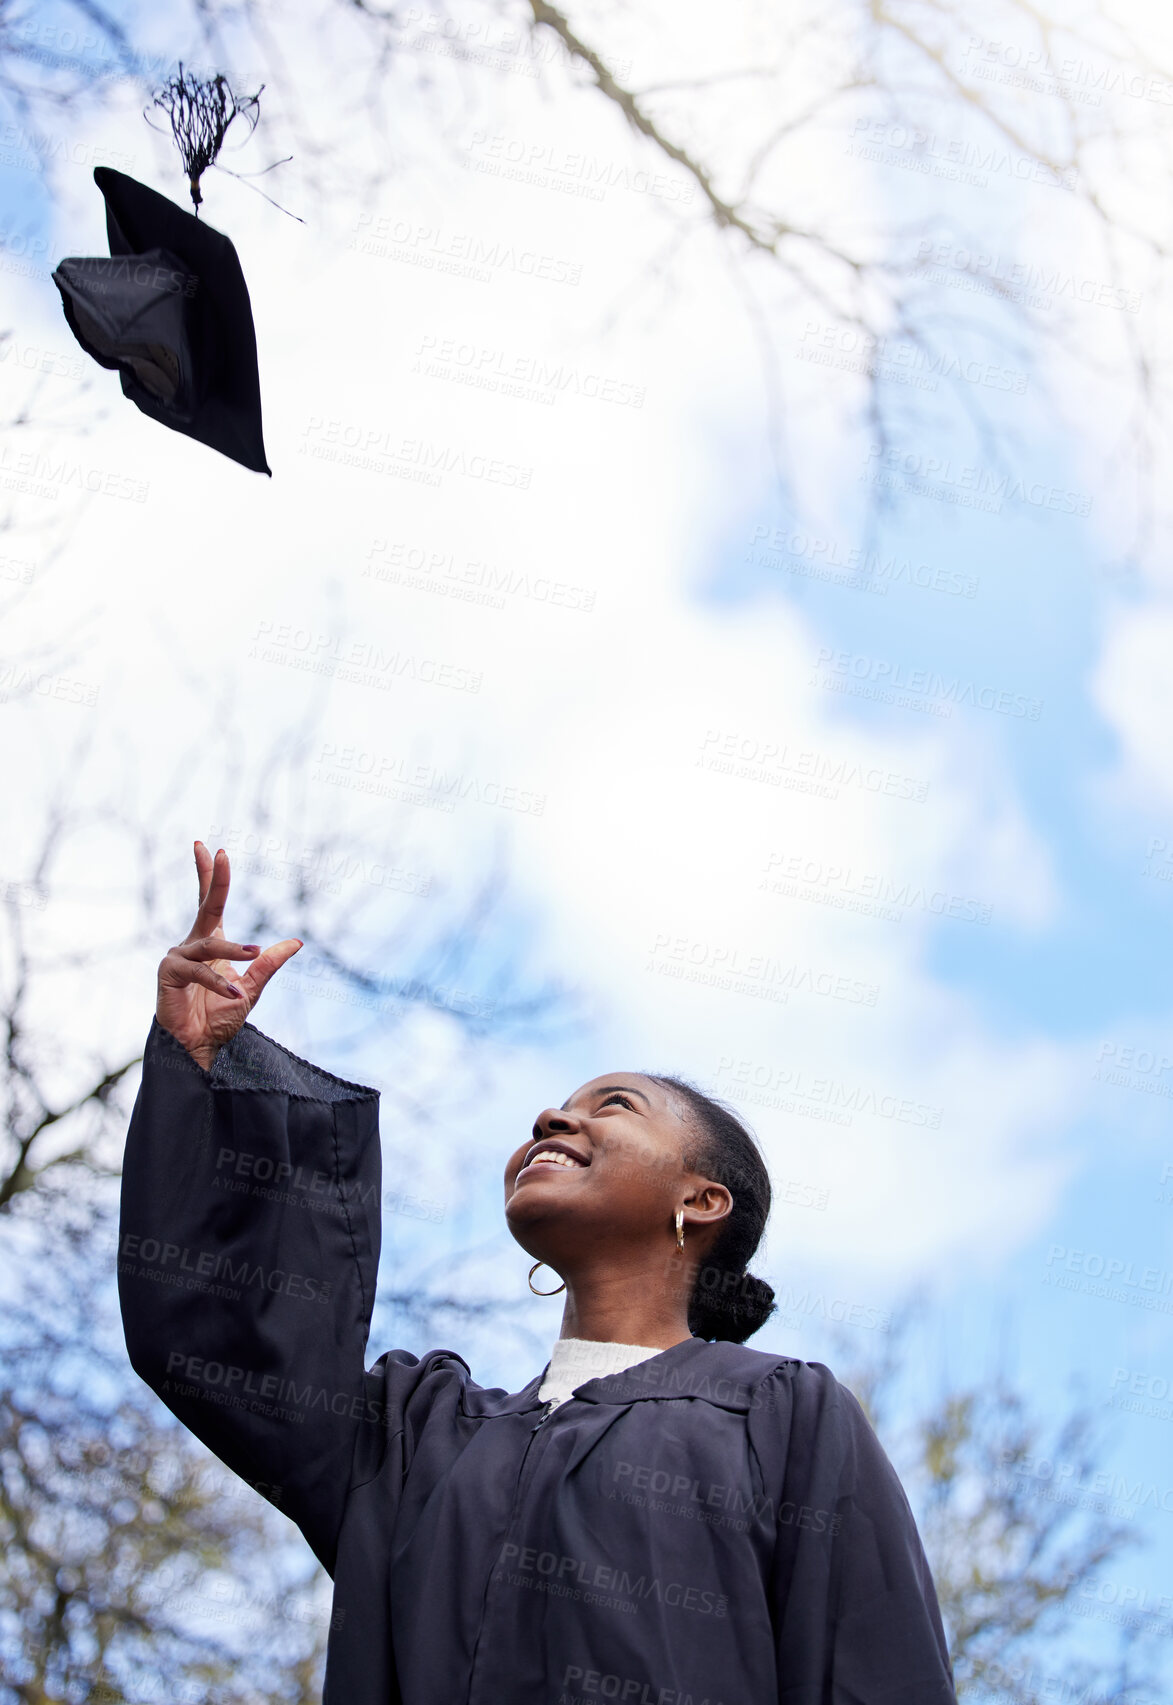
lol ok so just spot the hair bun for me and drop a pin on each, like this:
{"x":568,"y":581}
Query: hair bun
{"x":729,"y":1306}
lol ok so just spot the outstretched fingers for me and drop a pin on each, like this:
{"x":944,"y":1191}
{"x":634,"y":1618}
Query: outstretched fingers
{"x":184,"y":964}
{"x":215,"y":877}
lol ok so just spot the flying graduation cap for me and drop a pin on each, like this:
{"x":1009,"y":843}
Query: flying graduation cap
{"x":169,"y":309}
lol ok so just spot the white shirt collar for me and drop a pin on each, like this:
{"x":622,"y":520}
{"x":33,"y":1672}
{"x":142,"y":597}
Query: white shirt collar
{"x":575,"y":1360}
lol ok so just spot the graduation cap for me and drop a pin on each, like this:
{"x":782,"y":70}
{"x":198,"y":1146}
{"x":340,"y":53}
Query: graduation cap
{"x":169,"y":309}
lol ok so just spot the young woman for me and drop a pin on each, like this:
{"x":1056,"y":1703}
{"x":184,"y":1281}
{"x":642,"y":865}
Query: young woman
{"x":655,"y":1518}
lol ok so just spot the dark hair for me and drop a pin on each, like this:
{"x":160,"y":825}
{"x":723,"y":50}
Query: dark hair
{"x":727,"y":1302}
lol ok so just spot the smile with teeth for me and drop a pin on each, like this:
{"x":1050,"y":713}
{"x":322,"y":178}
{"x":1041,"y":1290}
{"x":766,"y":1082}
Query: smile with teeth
{"x":553,"y":1156}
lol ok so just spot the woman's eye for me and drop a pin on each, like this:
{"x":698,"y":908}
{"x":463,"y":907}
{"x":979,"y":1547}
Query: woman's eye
{"x":617,"y":1097}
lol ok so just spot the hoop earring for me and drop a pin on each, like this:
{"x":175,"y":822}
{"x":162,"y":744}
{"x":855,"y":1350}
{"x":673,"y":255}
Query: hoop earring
{"x":535,"y":1289}
{"x":680,"y":1228}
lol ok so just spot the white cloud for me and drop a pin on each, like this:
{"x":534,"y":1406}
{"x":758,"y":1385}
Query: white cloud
{"x":1133,"y":690}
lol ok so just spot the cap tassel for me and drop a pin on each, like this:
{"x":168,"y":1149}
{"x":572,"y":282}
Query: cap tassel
{"x":201,"y":110}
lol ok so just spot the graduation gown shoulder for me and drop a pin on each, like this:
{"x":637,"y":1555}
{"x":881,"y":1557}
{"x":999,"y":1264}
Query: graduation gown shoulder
{"x":714,"y":1526}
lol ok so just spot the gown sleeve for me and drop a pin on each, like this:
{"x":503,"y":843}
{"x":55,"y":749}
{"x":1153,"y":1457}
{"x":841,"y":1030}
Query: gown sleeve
{"x":855,"y":1610}
{"x":247,"y":1257}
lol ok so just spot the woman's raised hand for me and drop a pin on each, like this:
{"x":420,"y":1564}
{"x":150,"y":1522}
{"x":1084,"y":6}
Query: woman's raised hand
{"x":200,"y":1001}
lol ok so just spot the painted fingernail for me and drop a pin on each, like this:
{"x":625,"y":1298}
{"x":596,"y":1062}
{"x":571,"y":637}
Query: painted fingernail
{"x":233,"y":990}
{"x":251,"y":947}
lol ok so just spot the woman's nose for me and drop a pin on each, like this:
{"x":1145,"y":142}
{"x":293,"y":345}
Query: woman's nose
{"x":553,"y":1123}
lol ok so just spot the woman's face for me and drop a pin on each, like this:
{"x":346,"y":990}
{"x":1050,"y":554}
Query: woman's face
{"x":606,"y":1169}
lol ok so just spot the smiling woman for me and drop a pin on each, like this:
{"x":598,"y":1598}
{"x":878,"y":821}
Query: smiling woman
{"x":655,"y":1517}
{"x":666,"y":1201}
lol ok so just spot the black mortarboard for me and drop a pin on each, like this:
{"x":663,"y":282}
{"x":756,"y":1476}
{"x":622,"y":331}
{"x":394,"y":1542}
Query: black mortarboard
{"x":170,"y":311}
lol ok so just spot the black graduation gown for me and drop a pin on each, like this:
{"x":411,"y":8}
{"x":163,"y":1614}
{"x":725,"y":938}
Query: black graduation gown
{"x":713,"y":1525}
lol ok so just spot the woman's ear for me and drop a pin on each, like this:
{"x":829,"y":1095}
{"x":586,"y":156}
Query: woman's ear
{"x":707,"y":1205}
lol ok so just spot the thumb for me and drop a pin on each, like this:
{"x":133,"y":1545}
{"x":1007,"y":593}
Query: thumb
{"x":266,"y":964}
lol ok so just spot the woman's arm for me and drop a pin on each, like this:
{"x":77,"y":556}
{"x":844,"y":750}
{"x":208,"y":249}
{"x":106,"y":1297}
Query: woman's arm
{"x":249,"y":1237}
